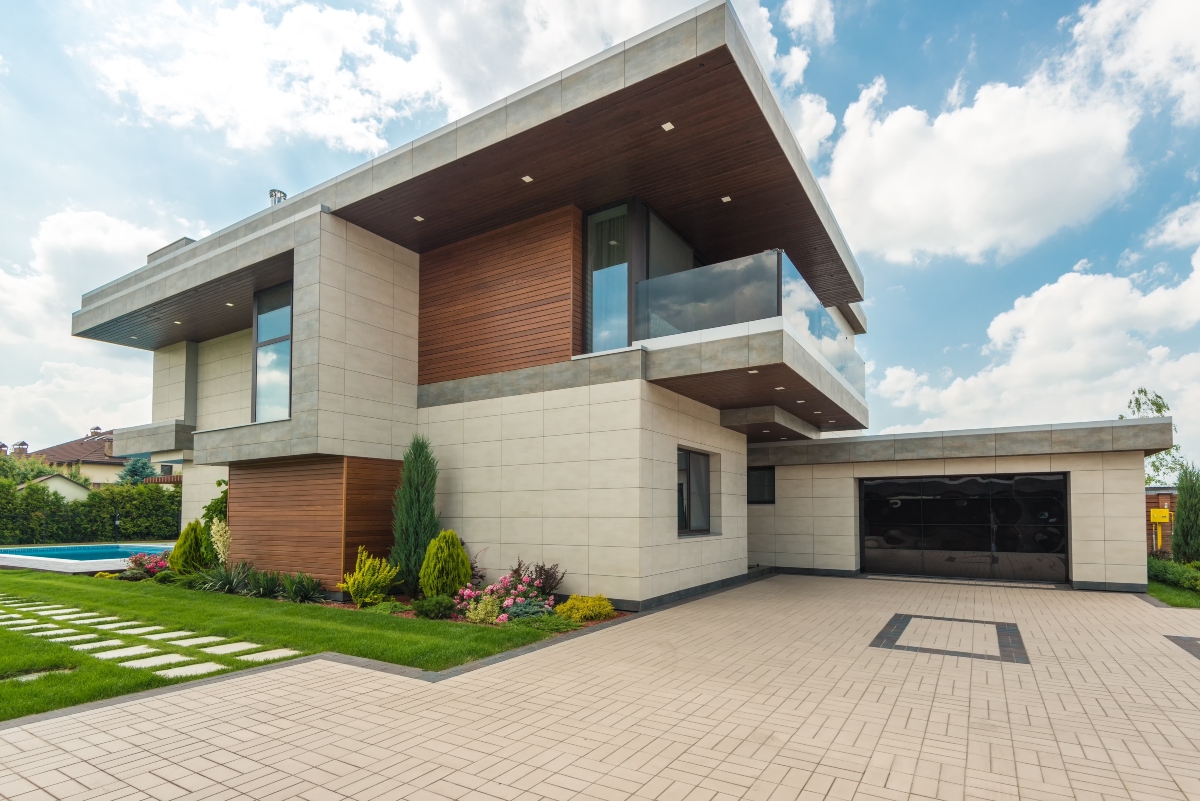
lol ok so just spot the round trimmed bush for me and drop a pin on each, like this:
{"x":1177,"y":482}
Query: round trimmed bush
{"x":447,"y":568}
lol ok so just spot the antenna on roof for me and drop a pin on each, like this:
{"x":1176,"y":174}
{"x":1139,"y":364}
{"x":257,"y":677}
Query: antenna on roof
{"x":277,"y":196}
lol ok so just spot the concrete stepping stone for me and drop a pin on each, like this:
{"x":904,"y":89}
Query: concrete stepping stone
{"x":96,"y":620}
{"x":52,"y":632}
{"x":34,"y":627}
{"x":142,"y":630}
{"x":157,"y":661}
{"x":198,"y":669}
{"x":38,"y":609}
{"x":169,"y":635}
{"x":267,"y":656}
{"x":27,"y":604}
{"x":7,"y":617}
{"x":122,"y":625}
{"x":58,"y":611}
{"x":121,"y":653}
{"x":74,"y":616}
{"x":19,"y":621}
{"x":197,"y":641}
{"x":33,"y":606}
{"x":38,"y":675}
{"x":230,"y":647}
{"x":87,"y":646}
{"x":75,"y":638}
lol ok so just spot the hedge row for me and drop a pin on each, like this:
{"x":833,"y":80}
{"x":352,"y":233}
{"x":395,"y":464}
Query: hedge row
{"x":1173,"y":573}
{"x":38,"y":515}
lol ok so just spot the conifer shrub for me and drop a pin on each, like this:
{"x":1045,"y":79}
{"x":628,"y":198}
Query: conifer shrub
{"x":582,"y":608}
{"x":371,"y":580}
{"x":1185,"y":531}
{"x":447,"y":568}
{"x":189,"y":554}
{"x":415,"y":520}
{"x":434,"y":607}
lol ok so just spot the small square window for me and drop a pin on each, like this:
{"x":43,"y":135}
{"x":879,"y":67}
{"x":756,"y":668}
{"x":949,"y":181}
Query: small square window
{"x":760,"y":485}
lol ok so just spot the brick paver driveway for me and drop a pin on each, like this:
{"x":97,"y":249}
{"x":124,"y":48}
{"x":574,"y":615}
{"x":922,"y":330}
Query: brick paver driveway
{"x":774,"y":691}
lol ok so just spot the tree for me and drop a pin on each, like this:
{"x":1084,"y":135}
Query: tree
{"x":136,"y":471}
{"x":1162,"y":467}
{"x":218,"y":507}
{"x":414,"y":515}
{"x":1185,"y":533}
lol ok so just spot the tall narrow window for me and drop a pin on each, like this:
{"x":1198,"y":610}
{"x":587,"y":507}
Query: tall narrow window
{"x":693,"y":492}
{"x":608,"y":278}
{"x":273,"y":354}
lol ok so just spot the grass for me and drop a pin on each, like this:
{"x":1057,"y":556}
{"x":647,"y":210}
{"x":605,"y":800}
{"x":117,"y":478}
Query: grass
{"x":308,"y":628}
{"x":1175,"y":596}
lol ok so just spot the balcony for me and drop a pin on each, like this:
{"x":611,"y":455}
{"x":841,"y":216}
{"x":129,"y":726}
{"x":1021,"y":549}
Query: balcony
{"x":745,"y":290}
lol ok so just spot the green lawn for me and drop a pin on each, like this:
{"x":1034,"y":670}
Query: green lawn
{"x":1175,"y":596}
{"x":308,"y":628}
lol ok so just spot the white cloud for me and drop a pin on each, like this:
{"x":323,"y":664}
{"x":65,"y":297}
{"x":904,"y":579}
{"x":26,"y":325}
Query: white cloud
{"x":811,"y":121}
{"x":1151,"y":45}
{"x":1082,"y":266}
{"x":1073,"y":350}
{"x":793,"y":65}
{"x":259,"y":70}
{"x":3,"y":66}
{"x":1000,"y":175}
{"x":56,"y":386}
{"x":1180,"y":228}
{"x":810,"y":18}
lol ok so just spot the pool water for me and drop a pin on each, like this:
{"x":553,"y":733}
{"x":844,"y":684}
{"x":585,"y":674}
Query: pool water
{"x":106,"y":550}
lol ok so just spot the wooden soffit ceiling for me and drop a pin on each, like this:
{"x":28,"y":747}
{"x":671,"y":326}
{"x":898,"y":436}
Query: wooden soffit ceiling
{"x":721,"y":145}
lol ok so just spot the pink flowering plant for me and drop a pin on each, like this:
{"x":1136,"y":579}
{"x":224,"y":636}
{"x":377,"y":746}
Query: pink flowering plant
{"x":495,"y":602}
{"x":151,"y":563}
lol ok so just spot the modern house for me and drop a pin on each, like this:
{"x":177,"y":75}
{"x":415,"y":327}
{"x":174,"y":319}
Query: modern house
{"x":616,"y":302}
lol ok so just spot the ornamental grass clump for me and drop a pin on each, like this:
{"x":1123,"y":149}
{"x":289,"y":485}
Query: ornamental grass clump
{"x":584,"y":608}
{"x":230,"y":579}
{"x":447,"y":568}
{"x":263,"y":584}
{"x":371,"y":580}
{"x":301,"y":588}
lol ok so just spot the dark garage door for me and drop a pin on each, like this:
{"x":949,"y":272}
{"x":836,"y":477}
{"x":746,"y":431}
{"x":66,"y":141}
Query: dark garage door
{"x":994,"y":526}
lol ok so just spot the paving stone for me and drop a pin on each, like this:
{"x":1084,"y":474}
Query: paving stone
{"x":142,"y":630}
{"x":88,"y":646}
{"x":34,"y":627}
{"x":121,"y":653}
{"x":76,"y":638}
{"x":122,"y":625}
{"x":197,"y":641}
{"x":40,"y":607}
{"x":52,"y":632}
{"x":169,"y":635}
{"x":75,"y":616}
{"x":9,"y":616}
{"x":38,"y":675}
{"x":231,"y":648}
{"x":266,"y":656}
{"x":59,"y":611}
{"x":198,"y":669}
{"x":16,"y":622}
{"x":99,"y":620}
{"x":157,"y":661}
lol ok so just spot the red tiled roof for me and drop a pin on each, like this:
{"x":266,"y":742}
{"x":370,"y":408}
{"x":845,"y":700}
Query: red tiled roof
{"x":89,"y":449}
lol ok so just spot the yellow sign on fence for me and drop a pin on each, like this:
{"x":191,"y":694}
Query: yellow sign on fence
{"x":1160,"y":515}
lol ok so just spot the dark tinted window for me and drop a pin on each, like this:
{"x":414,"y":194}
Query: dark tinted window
{"x":760,"y":485}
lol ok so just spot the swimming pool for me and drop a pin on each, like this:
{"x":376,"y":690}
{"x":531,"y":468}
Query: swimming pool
{"x":103,"y":550}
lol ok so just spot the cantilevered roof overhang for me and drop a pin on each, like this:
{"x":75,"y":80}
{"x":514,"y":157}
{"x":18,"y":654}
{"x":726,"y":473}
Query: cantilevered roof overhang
{"x":591,"y":135}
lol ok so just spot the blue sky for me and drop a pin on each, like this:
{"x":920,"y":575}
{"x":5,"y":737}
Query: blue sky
{"x":1019,"y":180}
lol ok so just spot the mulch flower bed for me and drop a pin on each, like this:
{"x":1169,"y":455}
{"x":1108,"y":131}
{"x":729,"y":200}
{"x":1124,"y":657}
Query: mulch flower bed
{"x":404,"y":599}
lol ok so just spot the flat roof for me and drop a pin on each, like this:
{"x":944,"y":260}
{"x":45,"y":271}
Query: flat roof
{"x":589,"y":135}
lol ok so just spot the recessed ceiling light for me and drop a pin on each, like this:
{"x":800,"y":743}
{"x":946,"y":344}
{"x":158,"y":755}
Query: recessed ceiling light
{"x":228,"y":304}
{"x":726,"y":199}
{"x":783,"y":437}
{"x":752,"y":372}
{"x":778,"y":388}
{"x":816,"y":412}
{"x":766,"y":431}
{"x":668,"y":126}
{"x":799,"y":401}
{"x":178,"y":323}
{"x":612,"y":242}
{"x":526,"y":179}
{"x":831,"y":421}
{"x":419,"y":218}
{"x":133,"y":337}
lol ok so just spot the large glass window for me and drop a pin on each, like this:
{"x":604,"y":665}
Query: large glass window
{"x":608,"y":279}
{"x":990,"y":526}
{"x":273,"y":354}
{"x":693,"y":492}
{"x":760,"y":485}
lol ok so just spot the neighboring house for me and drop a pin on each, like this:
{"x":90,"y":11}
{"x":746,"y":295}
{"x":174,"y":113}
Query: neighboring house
{"x":602,"y":298}
{"x":92,"y":453}
{"x":59,"y":483}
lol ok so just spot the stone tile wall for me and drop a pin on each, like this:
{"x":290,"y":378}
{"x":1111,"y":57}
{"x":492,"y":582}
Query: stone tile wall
{"x":585,"y":477}
{"x":199,"y":487}
{"x":172,"y":398}
{"x":814,"y":521}
{"x":223,"y":381}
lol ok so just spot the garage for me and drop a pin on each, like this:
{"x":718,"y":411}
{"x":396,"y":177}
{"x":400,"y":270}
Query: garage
{"x":1011,"y":527}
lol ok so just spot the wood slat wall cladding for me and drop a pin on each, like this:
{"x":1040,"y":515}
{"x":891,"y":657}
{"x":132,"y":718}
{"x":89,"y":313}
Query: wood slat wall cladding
{"x":310,"y":514}
{"x":503,"y":300}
